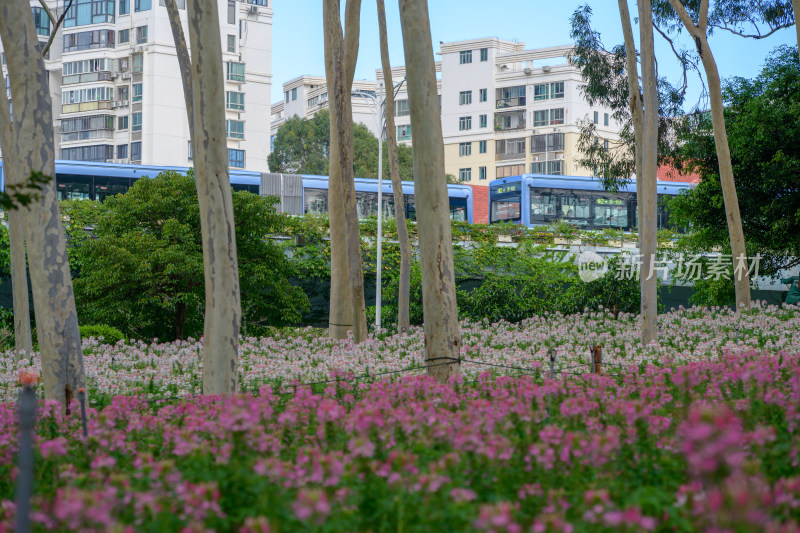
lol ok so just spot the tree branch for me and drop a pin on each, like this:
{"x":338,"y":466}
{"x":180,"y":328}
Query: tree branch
{"x":47,"y":10}
{"x":684,"y":16}
{"x":759,"y":35}
{"x":703,"y":22}
{"x":55,"y":28}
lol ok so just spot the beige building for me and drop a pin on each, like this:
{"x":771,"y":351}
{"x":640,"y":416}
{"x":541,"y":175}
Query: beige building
{"x":505,"y":110}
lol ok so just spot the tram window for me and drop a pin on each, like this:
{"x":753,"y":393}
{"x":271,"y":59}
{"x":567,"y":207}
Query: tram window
{"x":411,"y":207}
{"x":105,"y":187}
{"x":71,"y":187}
{"x":366,"y":204}
{"x":458,"y":209}
{"x":505,"y":210}
{"x":316,"y":201}
{"x":244,"y":187}
{"x":388,"y":206}
{"x":610,"y":212}
{"x":576,"y":209}
{"x":542,"y":204}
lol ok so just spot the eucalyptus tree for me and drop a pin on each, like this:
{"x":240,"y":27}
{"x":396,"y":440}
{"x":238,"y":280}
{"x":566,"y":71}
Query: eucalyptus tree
{"x":442,"y":332}
{"x":23,"y":341}
{"x":348,"y":310}
{"x":223,"y":315}
{"x":403,"y":322}
{"x":33,"y":153}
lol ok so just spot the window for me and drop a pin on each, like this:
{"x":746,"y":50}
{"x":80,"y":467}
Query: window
{"x":41,"y":21}
{"x":465,"y":98}
{"x":87,"y":127}
{"x":481,"y":173}
{"x":231,"y":11}
{"x":481,"y":147}
{"x":236,"y":72}
{"x":124,"y":7}
{"x":484,"y":121}
{"x":190,"y":150}
{"x":543,"y":204}
{"x":97,"y":152}
{"x":138,"y":63}
{"x":294,"y":94}
{"x":464,"y":174}
{"x":257,"y":2}
{"x":234,"y":101}
{"x":557,"y":89}
{"x":539,"y":167}
{"x":605,"y":119}
{"x":465,"y":56}
{"x":541,"y":91}
{"x":464,"y":149}
{"x":465,"y":123}
{"x":124,"y":36}
{"x":141,"y":34}
{"x":231,"y":43}
{"x":556,"y":116}
{"x":122,"y":93}
{"x":540,"y":118}
{"x":484,"y":54}
{"x":141,"y":5}
{"x":136,"y":151}
{"x":404,"y":133}
{"x":122,"y":123}
{"x":596,"y":117}
{"x":605,"y":145}
{"x":87,"y":65}
{"x":122,"y":151}
{"x":235,"y":158}
{"x":483,"y":94}
{"x":512,"y":148}
{"x":137,"y":92}
{"x":234,"y":129}
{"x":401,"y":108}
{"x":89,"y":94}
{"x":538,"y":144}
{"x":87,"y":40}
{"x":555,"y":142}
{"x":286,"y":94}
{"x":506,"y":171}
{"x":555,"y":167}
{"x":85,"y":12}
{"x":136,"y":119}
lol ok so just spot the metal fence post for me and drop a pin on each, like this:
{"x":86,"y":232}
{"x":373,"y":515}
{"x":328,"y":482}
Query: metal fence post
{"x":598,"y":359}
{"x":27,"y":416}
{"x":82,"y":399}
{"x":552,"y":361}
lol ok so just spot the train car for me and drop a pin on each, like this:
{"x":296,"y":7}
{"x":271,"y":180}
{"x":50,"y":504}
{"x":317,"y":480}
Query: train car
{"x":538,"y":199}
{"x":298,"y":194}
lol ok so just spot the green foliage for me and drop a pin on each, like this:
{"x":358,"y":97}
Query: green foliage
{"x":764,"y":138}
{"x":109,"y":334}
{"x":302,"y":147}
{"x":142,"y":270}
{"x":16,"y":196}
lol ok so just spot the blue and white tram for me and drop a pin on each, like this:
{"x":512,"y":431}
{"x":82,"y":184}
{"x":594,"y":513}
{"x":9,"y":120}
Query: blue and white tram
{"x":538,"y":199}
{"x":96,"y":181}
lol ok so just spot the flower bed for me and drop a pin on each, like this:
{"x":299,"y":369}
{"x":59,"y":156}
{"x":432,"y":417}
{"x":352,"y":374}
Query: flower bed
{"x":691,"y":445}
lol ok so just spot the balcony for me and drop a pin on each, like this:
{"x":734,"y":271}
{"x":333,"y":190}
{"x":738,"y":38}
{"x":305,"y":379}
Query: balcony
{"x":503,"y":103}
{"x":85,"y":106}
{"x":86,"y":77}
{"x":86,"y":135}
{"x":509,"y":121}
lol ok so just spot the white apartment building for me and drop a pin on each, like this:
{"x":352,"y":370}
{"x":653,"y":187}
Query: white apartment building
{"x":505,"y":110}
{"x":116,"y":86}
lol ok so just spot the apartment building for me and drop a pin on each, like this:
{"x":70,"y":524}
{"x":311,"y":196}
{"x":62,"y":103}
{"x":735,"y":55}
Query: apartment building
{"x":505,"y":110}
{"x":117,"y":91}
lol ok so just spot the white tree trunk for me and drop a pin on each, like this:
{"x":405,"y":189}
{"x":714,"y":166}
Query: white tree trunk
{"x":796,"y":11}
{"x":442,"y":332}
{"x":184,"y":62}
{"x":341,"y":54}
{"x":23,"y":341}
{"x":223,"y":315}
{"x":648,"y":194}
{"x":403,"y":321}
{"x":54,"y":302}
{"x":732,"y":215}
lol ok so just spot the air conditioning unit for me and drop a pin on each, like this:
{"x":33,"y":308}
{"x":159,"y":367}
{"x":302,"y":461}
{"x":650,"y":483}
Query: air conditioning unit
{"x":546,"y":68}
{"x":126,"y":75}
{"x":114,"y":105}
{"x":527,"y":70}
{"x":253,"y":10}
{"x":559,"y":157}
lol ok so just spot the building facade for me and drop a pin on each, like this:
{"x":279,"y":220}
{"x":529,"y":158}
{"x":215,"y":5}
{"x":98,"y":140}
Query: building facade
{"x":116,"y":86}
{"x":505,"y":110}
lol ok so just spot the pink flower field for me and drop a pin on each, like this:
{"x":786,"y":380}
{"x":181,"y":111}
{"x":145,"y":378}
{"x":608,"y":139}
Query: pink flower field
{"x":696,"y":433}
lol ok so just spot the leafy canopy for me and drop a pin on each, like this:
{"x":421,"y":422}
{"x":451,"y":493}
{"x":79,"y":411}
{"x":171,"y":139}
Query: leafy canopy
{"x":764,"y":137}
{"x":142,"y":270}
{"x":301,"y":147}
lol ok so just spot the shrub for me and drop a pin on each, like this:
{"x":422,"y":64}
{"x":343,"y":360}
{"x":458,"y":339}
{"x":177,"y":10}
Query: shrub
{"x":110,"y":335}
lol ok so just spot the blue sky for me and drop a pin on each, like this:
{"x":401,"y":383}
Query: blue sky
{"x":297,"y":34}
